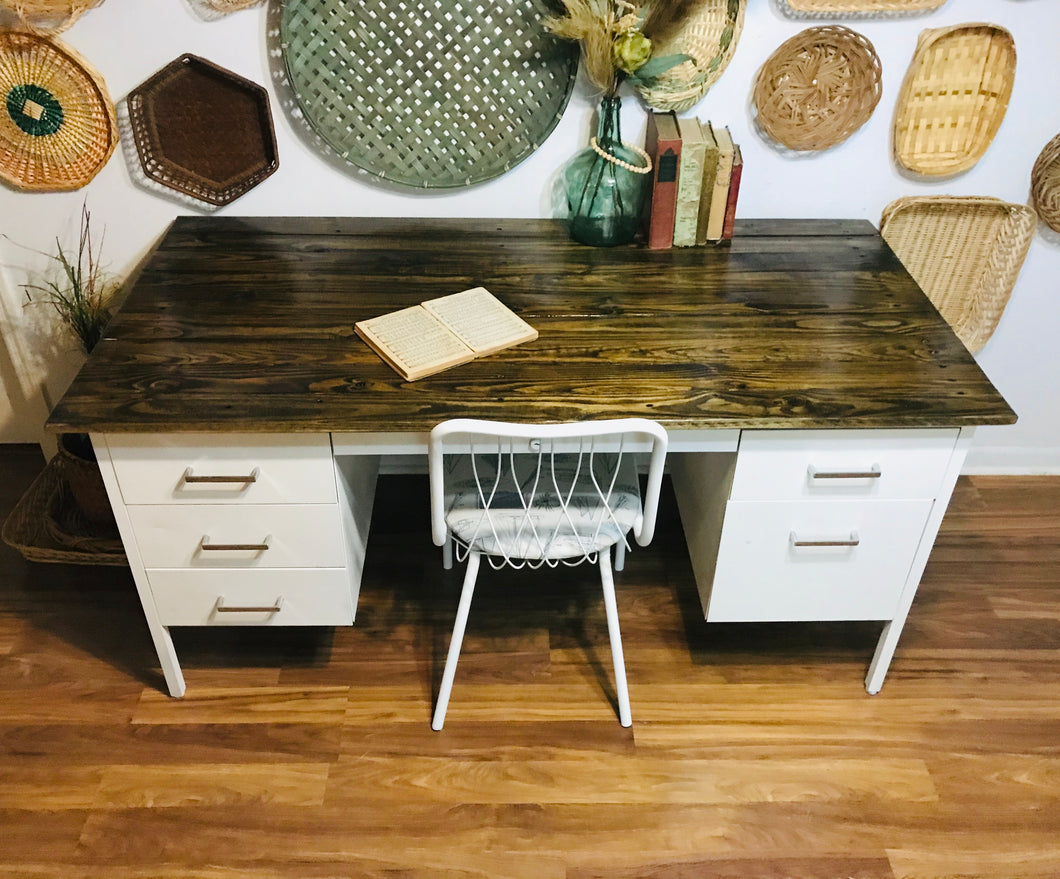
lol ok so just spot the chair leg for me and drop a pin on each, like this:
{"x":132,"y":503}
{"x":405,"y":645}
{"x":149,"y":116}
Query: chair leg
{"x":456,"y":640}
{"x":620,"y":554}
{"x":625,"y":717}
{"x":447,"y":553}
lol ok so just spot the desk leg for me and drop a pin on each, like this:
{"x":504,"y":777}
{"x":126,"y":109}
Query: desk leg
{"x":892,"y":631}
{"x":167,"y":654}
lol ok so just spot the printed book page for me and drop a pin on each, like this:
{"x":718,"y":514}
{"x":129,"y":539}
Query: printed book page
{"x":414,"y":342}
{"x":481,"y":320}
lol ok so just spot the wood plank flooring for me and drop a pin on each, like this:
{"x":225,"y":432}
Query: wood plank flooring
{"x":755,"y":751}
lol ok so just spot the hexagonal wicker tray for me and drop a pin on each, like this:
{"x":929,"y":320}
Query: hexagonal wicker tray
{"x":428,"y":93}
{"x":202,"y":131}
{"x":953,"y":98}
{"x":965,"y":252}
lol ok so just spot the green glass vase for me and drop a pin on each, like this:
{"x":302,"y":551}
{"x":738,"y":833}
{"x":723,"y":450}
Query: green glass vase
{"x":604,"y":195}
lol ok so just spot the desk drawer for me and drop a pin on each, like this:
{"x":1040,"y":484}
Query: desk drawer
{"x":223,"y":468}
{"x":296,"y":535}
{"x":762,"y":574}
{"x":807,"y":464}
{"x":303,"y":597}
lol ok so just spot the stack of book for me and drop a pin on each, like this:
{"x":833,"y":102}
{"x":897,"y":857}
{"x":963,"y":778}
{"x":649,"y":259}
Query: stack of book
{"x":696,"y":172}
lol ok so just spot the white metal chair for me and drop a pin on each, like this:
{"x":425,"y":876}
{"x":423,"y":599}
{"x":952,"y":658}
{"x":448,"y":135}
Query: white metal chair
{"x":531,"y":496}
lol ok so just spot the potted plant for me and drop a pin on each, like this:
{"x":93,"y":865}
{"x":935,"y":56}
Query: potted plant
{"x":82,"y":294}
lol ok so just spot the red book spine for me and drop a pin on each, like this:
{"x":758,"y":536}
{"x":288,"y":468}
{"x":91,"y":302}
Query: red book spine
{"x":734,"y":191}
{"x":663,"y":144}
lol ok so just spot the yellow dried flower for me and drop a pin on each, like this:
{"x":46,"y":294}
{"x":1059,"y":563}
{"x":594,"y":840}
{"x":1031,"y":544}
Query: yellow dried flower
{"x":630,"y":51}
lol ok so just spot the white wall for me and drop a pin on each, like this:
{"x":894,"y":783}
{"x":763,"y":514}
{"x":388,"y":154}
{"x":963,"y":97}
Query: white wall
{"x":127,"y":40}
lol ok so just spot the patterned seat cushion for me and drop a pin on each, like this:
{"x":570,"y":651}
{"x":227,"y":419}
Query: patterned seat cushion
{"x":545,"y":507}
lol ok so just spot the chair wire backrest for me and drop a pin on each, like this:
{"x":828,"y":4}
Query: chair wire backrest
{"x":535,"y":495}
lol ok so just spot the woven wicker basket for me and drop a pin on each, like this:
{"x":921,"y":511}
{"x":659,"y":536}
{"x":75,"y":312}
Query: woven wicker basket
{"x":60,"y":126}
{"x":709,"y":34}
{"x":965,"y":252}
{"x":212,"y":10}
{"x":1045,"y":184}
{"x":861,"y":7}
{"x":818,"y":88}
{"x":953,"y":98}
{"x":48,"y":16}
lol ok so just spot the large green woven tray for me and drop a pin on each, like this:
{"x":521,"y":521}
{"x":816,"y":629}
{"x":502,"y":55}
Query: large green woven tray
{"x":427,"y":93}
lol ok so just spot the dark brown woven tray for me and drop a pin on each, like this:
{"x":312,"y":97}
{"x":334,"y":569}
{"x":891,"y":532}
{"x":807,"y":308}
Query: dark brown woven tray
{"x":203,"y":131}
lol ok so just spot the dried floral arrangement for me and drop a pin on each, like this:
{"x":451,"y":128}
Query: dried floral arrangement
{"x":615,"y":38}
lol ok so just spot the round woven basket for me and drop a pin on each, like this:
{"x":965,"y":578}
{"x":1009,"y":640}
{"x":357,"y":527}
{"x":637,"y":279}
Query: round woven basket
{"x":60,"y":126}
{"x":48,"y":16}
{"x":709,"y":34}
{"x":1045,"y":184}
{"x":818,"y":88}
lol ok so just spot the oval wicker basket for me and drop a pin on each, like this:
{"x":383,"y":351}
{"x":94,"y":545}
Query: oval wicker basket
{"x":818,"y":88}
{"x":953,"y":98}
{"x":709,"y":34}
{"x":60,"y":127}
{"x":965,"y":252}
{"x":1045,"y":184}
{"x":48,"y":16}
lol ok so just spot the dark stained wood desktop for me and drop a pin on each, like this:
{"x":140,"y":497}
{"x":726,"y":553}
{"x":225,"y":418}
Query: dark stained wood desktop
{"x":246,"y":324}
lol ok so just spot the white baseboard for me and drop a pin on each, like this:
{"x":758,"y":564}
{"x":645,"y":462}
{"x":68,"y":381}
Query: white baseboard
{"x":1002,"y":461}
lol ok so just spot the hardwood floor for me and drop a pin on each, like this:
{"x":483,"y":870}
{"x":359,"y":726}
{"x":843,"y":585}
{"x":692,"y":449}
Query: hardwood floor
{"x":755,"y":751}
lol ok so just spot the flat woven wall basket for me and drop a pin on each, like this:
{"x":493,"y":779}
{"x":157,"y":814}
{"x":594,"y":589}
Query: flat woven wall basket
{"x":1045,"y":184}
{"x":965,"y":252}
{"x":818,"y":88}
{"x":709,"y":33}
{"x":953,"y":98}
{"x":48,"y":16}
{"x":60,"y":126}
{"x":860,"y":7}
{"x":430,"y":94}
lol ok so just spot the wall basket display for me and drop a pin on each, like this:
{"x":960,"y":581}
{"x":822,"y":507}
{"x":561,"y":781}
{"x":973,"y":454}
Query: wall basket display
{"x":212,"y":10}
{"x":953,"y":98}
{"x":818,"y":88}
{"x":44,"y":17}
{"x":59,"y":127}
{"x":860,"y":7}
{"x":965,"y":252}
{"x":1045,"y":184}
{"x":428,"y":93}
{"x":199,"y":131}
{"x":709,"y":33}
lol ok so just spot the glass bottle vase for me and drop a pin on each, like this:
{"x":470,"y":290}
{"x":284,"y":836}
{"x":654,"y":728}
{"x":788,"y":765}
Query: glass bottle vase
{"x":605,"y":194}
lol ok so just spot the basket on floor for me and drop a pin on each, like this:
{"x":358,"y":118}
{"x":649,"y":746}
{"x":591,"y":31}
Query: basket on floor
{"x":709,"y":33}
{"x":965,"y":252}
{"x":818,"y":88}
{"x":861,"y":7}
{"x":48,"y":16}
{"x":1045,"y":184}
{"x":953,"y":98}
{"x":60,"y":126}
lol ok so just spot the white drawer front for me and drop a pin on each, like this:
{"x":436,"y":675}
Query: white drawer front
{"x":297,"y":535}
{"x":228,"y":468}
{"x":248,"y":598}
{"x":762,"y":575}
{"x":841,"y":464}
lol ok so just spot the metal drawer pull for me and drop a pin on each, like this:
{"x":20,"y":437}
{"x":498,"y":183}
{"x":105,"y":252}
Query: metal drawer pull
{"x":220,"y":607}
{"x":206,"y":546}
{"x":192,"y":479}
{"x":873,"y":472}
{"x":853,"y":540}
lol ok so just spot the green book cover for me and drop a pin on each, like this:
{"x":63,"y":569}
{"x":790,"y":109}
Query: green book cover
{"x":689,"y":182}
{"x":710,"y":170}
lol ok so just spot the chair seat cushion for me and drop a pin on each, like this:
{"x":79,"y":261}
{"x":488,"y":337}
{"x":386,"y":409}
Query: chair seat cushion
{"x":555,"y":510}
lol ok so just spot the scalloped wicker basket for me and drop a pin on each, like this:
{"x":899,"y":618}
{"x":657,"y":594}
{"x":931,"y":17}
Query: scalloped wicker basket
{"x":49,"y":16}
{"x":818,"y":88}
{"x":1045,"y":184}
{"x":953,"y":98}
{"x":60,"y":126}
{"x":709,"y":35}
{"x":965,"y":252}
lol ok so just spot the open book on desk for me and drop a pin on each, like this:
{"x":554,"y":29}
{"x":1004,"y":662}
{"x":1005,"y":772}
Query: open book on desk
{"x":442,"y":333}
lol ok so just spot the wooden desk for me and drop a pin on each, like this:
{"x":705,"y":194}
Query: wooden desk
{"x":235,"y":347}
